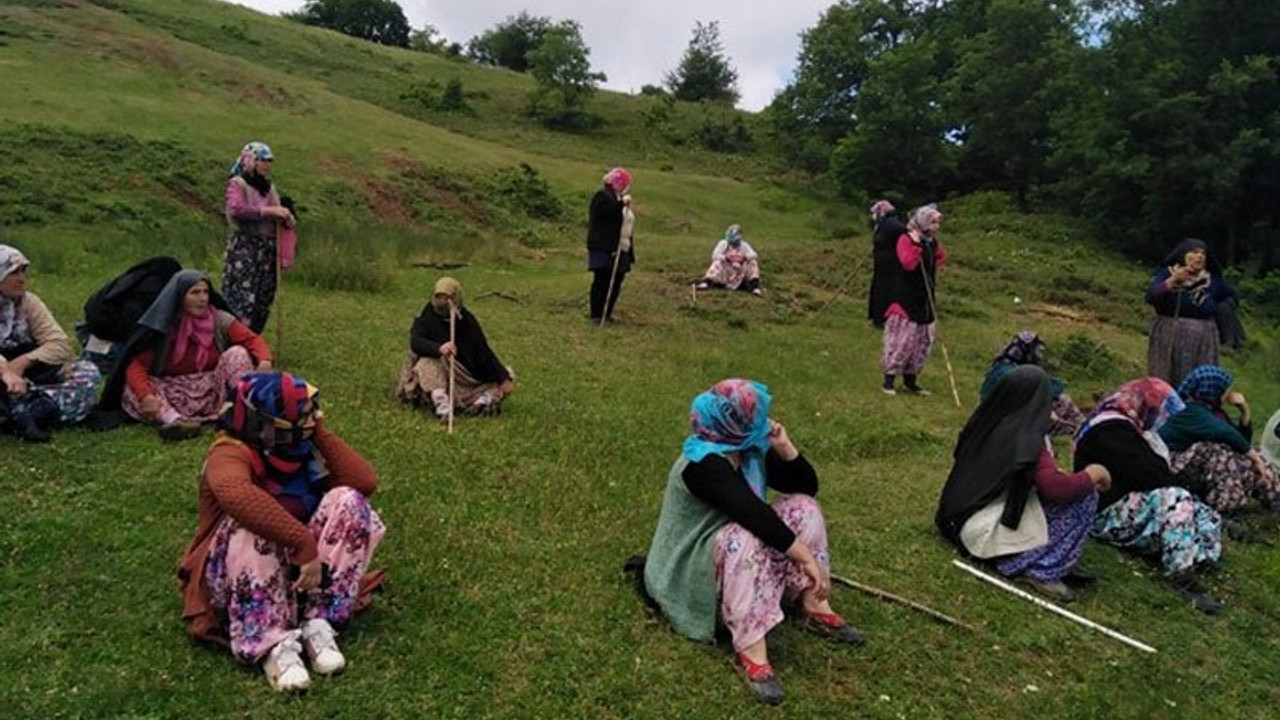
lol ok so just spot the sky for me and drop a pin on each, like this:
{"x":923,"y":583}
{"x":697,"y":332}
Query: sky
{"x":635,"y":44}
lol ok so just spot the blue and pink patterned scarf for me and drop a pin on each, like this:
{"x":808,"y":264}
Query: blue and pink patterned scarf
{"x":732,"y":417}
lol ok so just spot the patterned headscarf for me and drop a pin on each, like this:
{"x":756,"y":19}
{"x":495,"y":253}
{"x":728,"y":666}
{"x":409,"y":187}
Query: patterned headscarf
{"x":13,"y":324}
{"x":275,"y":414}
{"x":250,"y":152}
{"x":733,"y":235}
{"x":922,"y":218}
{"x":1205,"y":385}
{"x":618,"y":179}
{"x":881,"y":208}
{"x":1026,"y":348}
{"x":1145,"y":403}
{"x":732,"y":417}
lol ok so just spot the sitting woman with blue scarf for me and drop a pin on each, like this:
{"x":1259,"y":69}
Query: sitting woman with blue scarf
{"x":284,"y":536}
{"x":724,"y":557}
{"x":734,"y":265}
{"x":1026,"y":348}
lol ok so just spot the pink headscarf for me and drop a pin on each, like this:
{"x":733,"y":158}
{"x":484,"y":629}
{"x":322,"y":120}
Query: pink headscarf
{"x":197,"y":329}
{"x":618,"y":179}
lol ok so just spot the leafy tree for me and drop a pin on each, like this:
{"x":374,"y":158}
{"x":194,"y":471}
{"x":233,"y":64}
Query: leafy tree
{"x":429,"y":40}
{"x":381,"y":21}
{"x":704,"y":72}
{"x":562,"y":67}
{"x":509,"y":43}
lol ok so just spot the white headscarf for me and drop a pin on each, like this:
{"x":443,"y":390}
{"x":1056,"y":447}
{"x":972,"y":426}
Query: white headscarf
{"x":13,"y":324}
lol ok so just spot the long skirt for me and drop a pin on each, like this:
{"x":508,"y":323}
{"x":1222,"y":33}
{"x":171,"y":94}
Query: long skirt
{"x":754,"y":579}
{"x":1069,"y":526}
{"x":731,"y":275}
{"x":423,"y":379}
{"x":906,"y":345}
{"x":1067,"y":417}
{"x":197,"y":396}
{"x":248,"y":577}
{"x":1176,"y":347}
{"x":1227,"y":475}
{"x":1167,"y":523}
{"x":249,"y":278}
{"x":76,"y":394}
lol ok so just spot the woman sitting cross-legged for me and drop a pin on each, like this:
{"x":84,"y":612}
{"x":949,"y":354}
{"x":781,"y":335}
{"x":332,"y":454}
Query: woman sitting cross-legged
{"x":1006,"y":500}
{"x":284,"y":535}
{"x":1148,"y":509}
{"x":188,"y":351}
{"x":1205,"y":444}
{"x":734,"y":264}
{"x":480,"y":383}
{"x":721,"y":554}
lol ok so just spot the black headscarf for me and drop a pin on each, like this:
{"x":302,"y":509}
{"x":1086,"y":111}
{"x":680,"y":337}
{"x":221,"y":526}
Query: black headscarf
{"x":997,"y":451}
{"x":1178,"y":255}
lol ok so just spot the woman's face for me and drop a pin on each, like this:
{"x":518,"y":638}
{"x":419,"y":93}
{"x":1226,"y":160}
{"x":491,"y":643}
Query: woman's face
{"x":441,"y":301}
{"x":935,"y":224}
{"x":14,"y":284}
{"x":262,"y":167}
{"x":196,"y":301}
{"x":1194,"y":259}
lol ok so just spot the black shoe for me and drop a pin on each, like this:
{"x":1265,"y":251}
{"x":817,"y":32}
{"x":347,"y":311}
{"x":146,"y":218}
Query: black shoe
{"x":1187,"y":585}
{"x":1053,"y":589}
{"x":25,"y":427}
{"x":1079,"y":577}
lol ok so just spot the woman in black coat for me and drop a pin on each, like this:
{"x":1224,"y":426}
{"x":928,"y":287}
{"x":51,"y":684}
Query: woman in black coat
{"x":609,"y":233}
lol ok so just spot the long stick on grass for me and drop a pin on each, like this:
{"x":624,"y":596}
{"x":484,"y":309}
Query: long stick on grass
{"x":886,"y":595}
{"x":844,"y":284}
{"x":453,"y":359}
{"x":1053,"y":608}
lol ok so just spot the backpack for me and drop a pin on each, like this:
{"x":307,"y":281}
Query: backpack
{"x":112,"y":312}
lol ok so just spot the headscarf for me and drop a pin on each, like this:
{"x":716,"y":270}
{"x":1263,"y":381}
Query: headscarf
{"x":733,"y":235}
{"x":922,"y":219}
{"x":1025,"y":348}
{"x":252,"y":151}
{"x":274,"y":414}
{"x":881,"y":208}
{"x":1197,"y":289}
{"x":1205,"y":385}
{"x":733,"y":416}
{"x":999,"y":444}
{"x":618,"y":179}
{"x":450,"y":287}
{"x":1144,"y":403}
{"x":13,"y":324}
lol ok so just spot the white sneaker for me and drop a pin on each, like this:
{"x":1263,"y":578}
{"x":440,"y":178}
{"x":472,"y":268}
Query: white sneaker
{"x":322,"y":649}
{"x":283,"y":666}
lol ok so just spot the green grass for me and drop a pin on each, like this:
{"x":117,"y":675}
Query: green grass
{"x":505,"y":540}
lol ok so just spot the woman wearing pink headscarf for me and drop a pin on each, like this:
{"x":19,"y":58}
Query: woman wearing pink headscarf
{"x":609,"y":232}
{"x":254,"y":210}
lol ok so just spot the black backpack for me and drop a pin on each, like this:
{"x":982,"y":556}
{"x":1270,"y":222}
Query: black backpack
{"x":112,"y":313}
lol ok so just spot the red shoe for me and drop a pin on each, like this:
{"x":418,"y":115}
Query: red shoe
{"x":761,"y":679}
{"x":830,"y":625}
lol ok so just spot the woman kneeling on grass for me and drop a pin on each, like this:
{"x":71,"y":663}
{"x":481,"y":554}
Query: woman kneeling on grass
{"x":1148,"y":509}
{"x":285,"y":534}
{"x":1007,"y":501}
{"x":1205,"y":444}
{"x":721,"y":554}
{"x":480,"y":381}
{"x":40,"y":385}
{"x":188,"y":352}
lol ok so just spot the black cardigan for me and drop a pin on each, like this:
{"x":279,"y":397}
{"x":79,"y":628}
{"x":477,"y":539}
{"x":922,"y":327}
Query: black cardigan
{"x":604,"y":221}
{"x":715,"y":482}
{"x":430,"y":331}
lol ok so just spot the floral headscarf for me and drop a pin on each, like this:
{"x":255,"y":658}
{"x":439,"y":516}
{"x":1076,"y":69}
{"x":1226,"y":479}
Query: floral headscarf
{"x":733,"y":235}
{"x":618,"y":179}
{"x":1205,"y":385}
{"x":881,"y":208}
{"x":1026,"y":348}
{"x":733,"y":416}
{"x":253,"y":151}
{"x":13,"y":324}
{"x":922,"y":218}
{"x":1144,"y":403}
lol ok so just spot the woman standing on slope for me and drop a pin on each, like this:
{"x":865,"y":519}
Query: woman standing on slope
{"x":909,"y":321}
{"x":609,"y":235}
{"x":1185,"y":295}
{"x":254,"y":211}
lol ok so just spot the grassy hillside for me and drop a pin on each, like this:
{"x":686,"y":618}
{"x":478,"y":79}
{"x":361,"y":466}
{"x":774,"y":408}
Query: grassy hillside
{"x":506,"y":539}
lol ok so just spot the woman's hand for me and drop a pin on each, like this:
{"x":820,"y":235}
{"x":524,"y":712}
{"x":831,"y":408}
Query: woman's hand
{"x":308,"y":576}
{"x":781,"y":442}
{"x":507,"y":387}
{"x":14,"y":383}
{"x":150,"y":407}
{"x":448,"y":350}
{"x":1100,"y":476}
{"x":1260,"y":466}
{"x":263,"y":365}
{"x":820,"y":583}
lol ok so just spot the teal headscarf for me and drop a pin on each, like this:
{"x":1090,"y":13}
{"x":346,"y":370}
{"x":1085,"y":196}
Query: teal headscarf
{"x":732,"y":417}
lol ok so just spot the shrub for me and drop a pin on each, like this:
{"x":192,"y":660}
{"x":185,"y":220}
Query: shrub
{"x":522,"y":188}
{"x":1082,"y":356}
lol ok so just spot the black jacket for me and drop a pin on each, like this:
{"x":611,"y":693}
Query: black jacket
{"x":604,"y":221}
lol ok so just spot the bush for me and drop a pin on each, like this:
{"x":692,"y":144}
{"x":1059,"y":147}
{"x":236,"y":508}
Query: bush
{"x":1084,"y":357}
{"x":450,"y":97}
{"x":522,"y":188}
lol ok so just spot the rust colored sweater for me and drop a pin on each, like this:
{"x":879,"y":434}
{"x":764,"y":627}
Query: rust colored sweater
{"x":138,"y":374}
{"x":228,"y":486}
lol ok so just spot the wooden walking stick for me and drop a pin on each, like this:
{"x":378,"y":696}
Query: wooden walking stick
{"x":278,"y":301}
{"x":946,"y":357}
{"x":453,"y":359}
{"x":617,"y":258}
{"x":885,"y":595}
{"x":857,"y":268}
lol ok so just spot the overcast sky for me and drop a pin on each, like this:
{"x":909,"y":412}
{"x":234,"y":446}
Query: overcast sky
{"x":636,"y":43}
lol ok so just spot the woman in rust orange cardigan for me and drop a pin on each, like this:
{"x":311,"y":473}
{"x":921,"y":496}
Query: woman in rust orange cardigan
{"x":285,"y":534}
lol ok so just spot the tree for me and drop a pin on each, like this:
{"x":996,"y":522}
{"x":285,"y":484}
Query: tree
{"x":704,"y":72}
{"x":381,"y":21}
{"x":562,"y":68}
{"x":429,"y":40}
{"x":509,"y":43}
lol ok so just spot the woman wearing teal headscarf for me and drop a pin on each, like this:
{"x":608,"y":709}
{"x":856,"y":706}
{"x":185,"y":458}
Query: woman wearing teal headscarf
{"x":735,"y":265}
{"x":722,"y":556}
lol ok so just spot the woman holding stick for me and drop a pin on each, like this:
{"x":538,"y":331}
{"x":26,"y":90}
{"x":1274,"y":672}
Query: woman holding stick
{"x":253,"y":209}
{"x":910,"y":324}
{"x":610,"y":254}
{"x":1006,"y":500}
{"x":723,"y":556}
